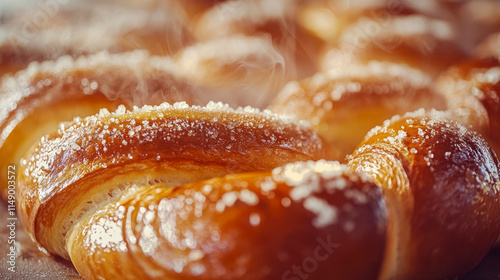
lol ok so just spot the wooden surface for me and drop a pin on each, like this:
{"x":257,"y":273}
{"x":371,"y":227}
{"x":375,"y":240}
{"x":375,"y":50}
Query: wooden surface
{"x":32,"y":263}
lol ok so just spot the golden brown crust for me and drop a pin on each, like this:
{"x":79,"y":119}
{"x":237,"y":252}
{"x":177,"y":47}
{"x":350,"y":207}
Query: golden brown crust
{"x":442,"y":188}
{"x":344,"y":104}
{"x":309,"y":219}
{"x":35,"y":100}
{"x":89,"y":159}
{"x":472,"y":91}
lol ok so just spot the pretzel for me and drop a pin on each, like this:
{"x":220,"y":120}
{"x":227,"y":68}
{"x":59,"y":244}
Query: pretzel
{"x":442,"y":190}
{"x":344,"y":104}
{"x":472,"y":92}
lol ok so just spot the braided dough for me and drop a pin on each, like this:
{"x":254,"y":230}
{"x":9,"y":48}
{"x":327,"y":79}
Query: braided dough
{"x":90,"y":161}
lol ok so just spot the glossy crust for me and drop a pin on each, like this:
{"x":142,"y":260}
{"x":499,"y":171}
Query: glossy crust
{"x":90,"y":161}
{"x":472,"y":91}
{"x":442,"y":188}
{"x":344,"y":104}
{"x":37,"y":99}
{"x":55,"y":29}
{"x":301,"y":220}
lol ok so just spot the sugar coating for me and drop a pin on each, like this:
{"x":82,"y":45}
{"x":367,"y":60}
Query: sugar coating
{"x":242,"y":47}
{"x":385,"y":70}
{"x":491,"y":76}
{"x":65,"y":64}
{"x":255,"y":219}
{"x":115,"y":135}
{"x":211,"y":107}
{"x":420,"y":25}
{"x":305,"y":179}
{"x":390,"y":83}
{"x":228,"y":199}
{"x":426,"y":117}
{"x":325,"y":214}
{"x":463,"y":146}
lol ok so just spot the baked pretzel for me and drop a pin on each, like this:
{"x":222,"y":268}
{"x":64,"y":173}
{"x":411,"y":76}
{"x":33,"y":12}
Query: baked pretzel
{"x":472,"y":91}
{"x":245,"y":226}
{"x":442,"y":189}
{"x":344,"y":104}
{"x":117,"y":182}
{"x":91,"y":170}
{"x":422,"y":34}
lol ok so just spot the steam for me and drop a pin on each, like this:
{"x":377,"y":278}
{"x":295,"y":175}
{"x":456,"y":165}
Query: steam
{"x":256,"y":18}
{"x":239,"y":70}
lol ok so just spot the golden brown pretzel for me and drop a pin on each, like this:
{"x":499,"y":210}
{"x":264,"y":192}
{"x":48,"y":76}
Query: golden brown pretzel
{"x":442,"y":189}
{"x":117,"y":183}
{"x":157,"y":215}
{"x":472,"y":91}
{"x":344,"y":104}
{"x":75,"y":184}
{"x":146,"y":146}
